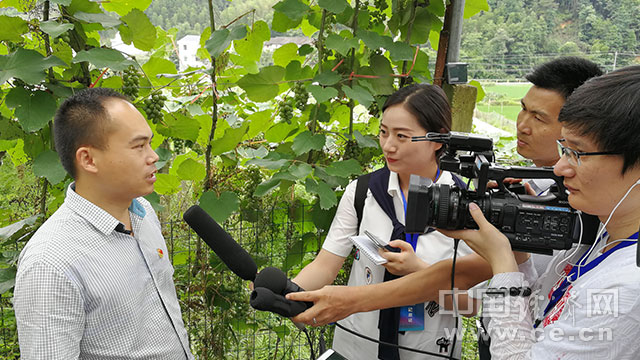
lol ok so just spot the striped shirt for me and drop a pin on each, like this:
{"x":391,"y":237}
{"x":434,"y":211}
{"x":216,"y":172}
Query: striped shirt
{"x":87,"y":291}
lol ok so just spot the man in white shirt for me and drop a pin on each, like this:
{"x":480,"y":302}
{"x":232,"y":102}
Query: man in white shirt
{"x":95,"y":281}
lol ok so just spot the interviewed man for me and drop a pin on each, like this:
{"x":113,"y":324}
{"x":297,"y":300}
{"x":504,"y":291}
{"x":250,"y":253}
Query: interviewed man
{"x":95,"y":281}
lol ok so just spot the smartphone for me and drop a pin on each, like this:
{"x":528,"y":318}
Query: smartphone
{"x":380,"y":244}
{"x":331,"y":355}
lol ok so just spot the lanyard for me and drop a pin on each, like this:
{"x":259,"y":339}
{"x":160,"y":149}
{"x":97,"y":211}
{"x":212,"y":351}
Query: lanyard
{"x":581,"y":268}
{"x":413,"y":238}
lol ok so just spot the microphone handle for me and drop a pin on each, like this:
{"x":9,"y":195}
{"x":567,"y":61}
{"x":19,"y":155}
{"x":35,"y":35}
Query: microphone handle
{"x":266,"y":300}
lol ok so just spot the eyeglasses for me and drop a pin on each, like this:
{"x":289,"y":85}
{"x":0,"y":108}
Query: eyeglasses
{"x":574,"y":156}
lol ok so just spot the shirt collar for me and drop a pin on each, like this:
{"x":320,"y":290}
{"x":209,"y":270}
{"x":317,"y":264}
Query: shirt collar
{"x":95,"y":215}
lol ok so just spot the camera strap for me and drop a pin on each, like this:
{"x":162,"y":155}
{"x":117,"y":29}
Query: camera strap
{"x":579,"y":270}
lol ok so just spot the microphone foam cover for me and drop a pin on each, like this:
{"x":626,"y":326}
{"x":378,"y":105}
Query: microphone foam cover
{"x":230,"y":252}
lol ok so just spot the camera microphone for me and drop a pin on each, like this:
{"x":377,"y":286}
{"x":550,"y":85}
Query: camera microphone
{"x":230,"y":252}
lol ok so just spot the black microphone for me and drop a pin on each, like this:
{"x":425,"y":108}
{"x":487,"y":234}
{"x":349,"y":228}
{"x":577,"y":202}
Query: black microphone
{"x":230,"y":252}
{"x":276,"y":280}
{"x":266,"y":300}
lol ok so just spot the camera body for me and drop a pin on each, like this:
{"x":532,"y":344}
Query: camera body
{"x":537,"y":224}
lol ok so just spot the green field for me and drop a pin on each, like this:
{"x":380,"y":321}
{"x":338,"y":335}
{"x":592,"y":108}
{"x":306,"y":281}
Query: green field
{"x":511,"y":91}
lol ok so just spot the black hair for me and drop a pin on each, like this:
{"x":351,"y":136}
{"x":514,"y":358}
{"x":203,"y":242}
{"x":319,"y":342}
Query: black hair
{"x":564,"y":74}
{"x":606,"y":109}
{"x":428,"y":103}
{"x":81,"y":120}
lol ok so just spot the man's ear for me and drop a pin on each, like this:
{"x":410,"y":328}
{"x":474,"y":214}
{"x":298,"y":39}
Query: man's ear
{"x":85,"y":160}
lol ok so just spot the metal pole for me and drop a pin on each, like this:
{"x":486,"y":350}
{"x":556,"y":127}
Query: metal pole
{"x":455,"y":36}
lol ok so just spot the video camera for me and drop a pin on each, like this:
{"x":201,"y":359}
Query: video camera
{"x":537,"y":224}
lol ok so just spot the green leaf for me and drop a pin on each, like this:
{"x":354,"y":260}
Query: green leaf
{"x":138,"y":29}
{"x":322,"y":218}
{"x":84,"y":6}
{"x":271,"y":164}
{"x":281,"y":331}
{"x":221,"y":39}
{"x":156,"y":66}
{"x":364,"y":141}
{"x":296,"y":72}
{"x":12,"y":28}
{"x":327,"y":78}
{"x":122,"y":7}
{"x":34,"y":109}
{"x":7,"y":279}
{"x":264,"y":85}
{"x":154,"y":200}
{"x":282,"y":23}
{"x":266,"y":186}
{"x":293,"y":9}
{"x":164,"y":155}
{"x":220,"y":208}
{"x":104,"y":58}
{"x":399,"y":51}
{"x":436,"y":7}
{"x":249,"y":48}
{"x":472,"y":7}
{"x":295,"y":254}
{"x":285,"y":54}
{"x":300,"y":170}
{"x":280,"y":131}
{"x":219,"y":42}
{"x":359,"y":94}
{"x":344,"y":168}
{"x":327,"y":196}
{"x":334,"y":6}
{"x":306,"y":142}
{"x":481,"y":94}
{"x":61,"y":2}
{"x":106,"y":20}
{"x":47,"y":164}
{"x":232,"y":137}
{"x":322,"y":94}
{"x":28,"y":65}
{"x":258,"y":121}
{"x":340,"y":44}
{"x":374,"y":40}
{"x":54,"y":28}
{"x":10,"y":230}
{"x":181,"y":127}
{"x":191,"y":170}
{"x":167,"y":184}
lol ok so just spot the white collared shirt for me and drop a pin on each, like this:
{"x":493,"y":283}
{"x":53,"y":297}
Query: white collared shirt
{"x":431,"y":248}
{"x":84,"y":290}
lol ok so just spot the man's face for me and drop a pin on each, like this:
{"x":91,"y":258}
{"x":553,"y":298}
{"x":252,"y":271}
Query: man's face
{"x":538,"y":127}
{"x":126,"y":166}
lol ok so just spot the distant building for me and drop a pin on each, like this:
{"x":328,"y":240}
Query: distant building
{"x":278,"y":41}
{"x":187,"y":48}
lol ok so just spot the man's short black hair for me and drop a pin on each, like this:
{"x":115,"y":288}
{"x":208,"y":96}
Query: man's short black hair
{"x":606,"y":109}
{"x":82,"y":120}
{"x":564,"y":74}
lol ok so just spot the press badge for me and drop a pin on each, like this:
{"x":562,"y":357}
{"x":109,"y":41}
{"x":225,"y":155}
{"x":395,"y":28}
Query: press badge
{"x":412,"y":318}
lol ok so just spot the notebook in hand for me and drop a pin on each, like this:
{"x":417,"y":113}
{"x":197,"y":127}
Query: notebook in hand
{"x":368,"y":248}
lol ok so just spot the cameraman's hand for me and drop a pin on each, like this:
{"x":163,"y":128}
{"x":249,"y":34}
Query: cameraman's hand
{"x":488,"y":242}
{"x":404,"y":262}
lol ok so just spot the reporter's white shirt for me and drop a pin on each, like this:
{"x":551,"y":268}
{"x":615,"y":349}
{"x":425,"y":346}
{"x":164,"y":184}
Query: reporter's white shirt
{"x":431,"y":248}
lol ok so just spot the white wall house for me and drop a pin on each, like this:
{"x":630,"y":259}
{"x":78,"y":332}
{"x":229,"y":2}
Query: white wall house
{"x":187,"y":48}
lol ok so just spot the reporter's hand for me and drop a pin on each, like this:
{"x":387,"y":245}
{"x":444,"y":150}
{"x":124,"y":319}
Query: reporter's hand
{"x":488,"y":242}
{"x":402,"y":263}
{"x":331,"y":303}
